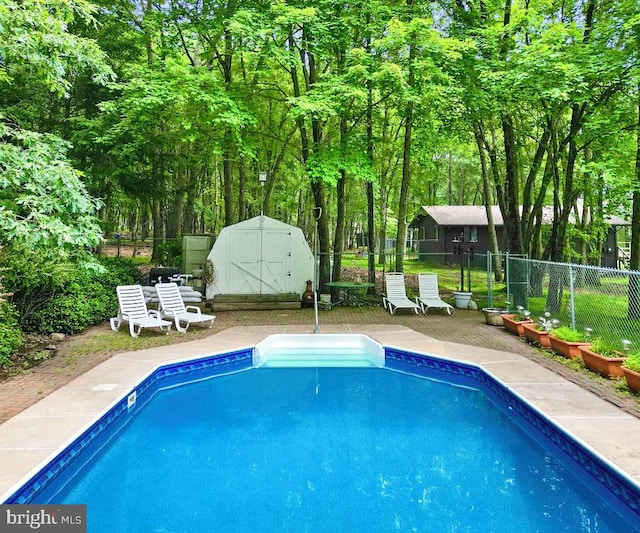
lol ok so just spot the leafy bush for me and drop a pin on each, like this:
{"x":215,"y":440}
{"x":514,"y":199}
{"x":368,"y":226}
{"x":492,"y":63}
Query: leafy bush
{"x":633,"y":362}
{"x":565,"y":333}
{"x":10,"y":335}
{"x":170,"y":252}
{"x":67,"y":297}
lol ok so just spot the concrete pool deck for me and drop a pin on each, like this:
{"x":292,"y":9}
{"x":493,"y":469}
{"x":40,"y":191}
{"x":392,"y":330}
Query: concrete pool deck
{"x":32,"y":436}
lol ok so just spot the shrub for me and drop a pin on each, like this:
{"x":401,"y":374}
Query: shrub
{"x":10,"y":335}
{"x":170,"y":252}
{"x":632,"y":362}
{"x":67,"y":297}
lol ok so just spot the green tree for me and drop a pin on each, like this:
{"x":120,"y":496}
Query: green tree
{"x":43,"y":201}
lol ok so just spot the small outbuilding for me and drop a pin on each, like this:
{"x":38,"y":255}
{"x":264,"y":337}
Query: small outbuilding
{"x":259,"y":256}
{"x":436,"y":226}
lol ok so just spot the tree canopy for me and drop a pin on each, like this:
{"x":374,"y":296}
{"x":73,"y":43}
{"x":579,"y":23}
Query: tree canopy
{"x":359,"y":113}
{"x":44,"y":203}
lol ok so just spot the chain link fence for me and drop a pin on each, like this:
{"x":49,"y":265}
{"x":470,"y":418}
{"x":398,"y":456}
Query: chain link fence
{"x":474,"y":273}
{"x":603,"y":299}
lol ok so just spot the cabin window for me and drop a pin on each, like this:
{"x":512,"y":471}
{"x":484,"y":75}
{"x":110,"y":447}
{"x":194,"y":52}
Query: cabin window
{"x":470,"y":233}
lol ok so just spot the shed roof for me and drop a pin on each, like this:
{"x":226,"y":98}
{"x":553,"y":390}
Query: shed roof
{"x":476,"y":215}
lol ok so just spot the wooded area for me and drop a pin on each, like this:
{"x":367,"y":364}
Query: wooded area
{"x":155,"y":118}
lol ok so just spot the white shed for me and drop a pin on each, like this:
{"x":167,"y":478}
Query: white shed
{"x":260,"y":256}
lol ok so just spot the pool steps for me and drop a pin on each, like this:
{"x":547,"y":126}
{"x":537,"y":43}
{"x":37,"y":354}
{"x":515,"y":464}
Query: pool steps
{"x":318,"y":350}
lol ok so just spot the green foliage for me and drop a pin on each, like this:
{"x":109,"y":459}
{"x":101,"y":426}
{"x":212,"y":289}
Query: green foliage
{"x":34,"y":36}
{"x":567,"y":334}
{"x":10,"y":335}
{"x":66,"y":297}
{"x":604,"y":348}
{"x":632,"y":362}
{"x":170,"y":253}
{"x":43,"y":202}
{"x":521,"y":314}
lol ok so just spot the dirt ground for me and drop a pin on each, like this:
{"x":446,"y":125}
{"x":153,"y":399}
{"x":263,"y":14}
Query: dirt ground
{"x":127,"y":250}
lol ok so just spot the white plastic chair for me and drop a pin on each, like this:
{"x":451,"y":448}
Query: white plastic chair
{"x":429,"y":294}
{"x":171,"y":305}
{"x":396,"y":294}
{"x":133,"y":309}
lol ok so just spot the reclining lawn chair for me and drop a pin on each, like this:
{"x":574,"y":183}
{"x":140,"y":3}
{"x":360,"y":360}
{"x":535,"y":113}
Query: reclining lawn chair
{"x":133,"y":309}
{"x":429,"y":294}
{"x":171,"y":305}
{"x":396,"y":294}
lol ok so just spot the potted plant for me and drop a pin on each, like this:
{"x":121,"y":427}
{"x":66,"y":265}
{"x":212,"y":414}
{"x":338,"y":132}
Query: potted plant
{"x":631,"y":369}
{"x":537,"y":334}
{"x":601,"y":358}
{"x":514,"y":323}
{"x":567,"y":341}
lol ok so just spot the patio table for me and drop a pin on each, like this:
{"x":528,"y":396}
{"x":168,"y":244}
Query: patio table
{"x":352,"y":291}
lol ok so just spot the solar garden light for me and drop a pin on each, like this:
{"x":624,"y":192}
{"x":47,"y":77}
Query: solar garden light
{"x":507,"y":303}
{"x":545,"y":322}
{"x":262,"y":178}
{"x":526,"y":314}
{"x":587,"y":333}
{"x":555,"y":323}
{"x":626,"y":346}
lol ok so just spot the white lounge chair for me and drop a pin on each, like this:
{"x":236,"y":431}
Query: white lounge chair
{"x":171,"y":305}
{"x":396,"y":294}
{"x":133,"y":309}
{"x":429,"y":295}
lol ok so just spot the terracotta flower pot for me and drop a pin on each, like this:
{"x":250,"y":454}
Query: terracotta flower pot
{"x":539,"y":337}
{"x":609,"y":367}
{"x":513,"y":326}
{"x":569,"y":349}
{"x":633,"y":379}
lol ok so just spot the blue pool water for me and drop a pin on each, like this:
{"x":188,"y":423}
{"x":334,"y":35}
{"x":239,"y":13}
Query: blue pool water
{"x":325,"y":449}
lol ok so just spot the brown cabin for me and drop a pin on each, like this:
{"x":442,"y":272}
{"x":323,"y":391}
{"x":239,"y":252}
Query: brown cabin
{"x":436,"y":227}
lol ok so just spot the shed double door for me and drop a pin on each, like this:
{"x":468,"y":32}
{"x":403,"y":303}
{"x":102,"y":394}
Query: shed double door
{"x":262,"y":262}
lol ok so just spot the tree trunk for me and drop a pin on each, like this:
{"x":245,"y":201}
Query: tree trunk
{"x":371,"y":230}
{"x":227,"y":179}
{"x":226,"y":61}
{"x":512,"y":227}
{"x":176,"y":208}
{"x":401,"y":234}
{"x":242,"y":181}
{"x":156,"y":214}
{"x":317,"y":187}
{"x":488,"y":202}
{"x":338,"y":237}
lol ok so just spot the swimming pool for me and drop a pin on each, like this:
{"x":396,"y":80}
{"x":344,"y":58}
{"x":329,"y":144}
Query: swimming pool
{"x":416,"y":405}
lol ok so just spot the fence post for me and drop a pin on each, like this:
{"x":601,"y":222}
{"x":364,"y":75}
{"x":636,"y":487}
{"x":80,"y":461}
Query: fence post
{"x":506,"y":270}
{"x":571,"y":298}
{"x":489,"y":280}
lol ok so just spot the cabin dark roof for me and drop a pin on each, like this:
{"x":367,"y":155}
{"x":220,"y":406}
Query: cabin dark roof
{"x":476,"y":215}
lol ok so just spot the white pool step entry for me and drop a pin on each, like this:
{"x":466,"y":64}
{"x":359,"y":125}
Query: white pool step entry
{"x":316,"y":350}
